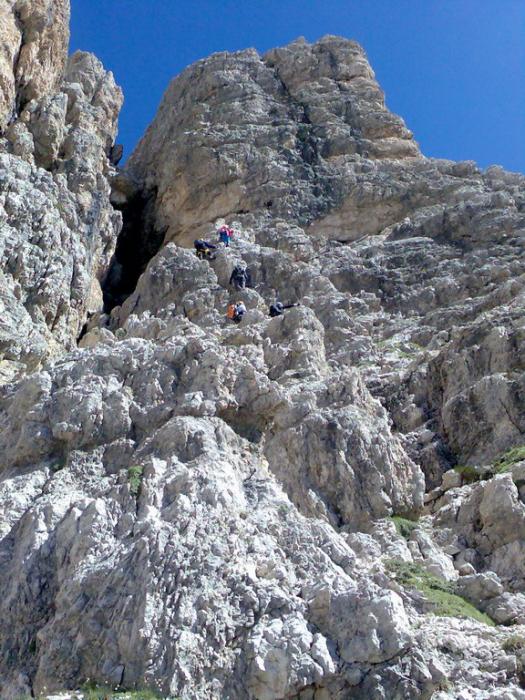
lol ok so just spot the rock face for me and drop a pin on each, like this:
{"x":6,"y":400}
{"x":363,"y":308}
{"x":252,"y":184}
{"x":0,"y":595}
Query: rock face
{"x":35,"y":36}
{"x":57,"y":228}
{"x":240,"y":133}
{"x":255,"y":510}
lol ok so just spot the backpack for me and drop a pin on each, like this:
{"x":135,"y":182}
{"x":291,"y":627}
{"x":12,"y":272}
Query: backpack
{"x":230,"y":313}
{"x":275,"y":310}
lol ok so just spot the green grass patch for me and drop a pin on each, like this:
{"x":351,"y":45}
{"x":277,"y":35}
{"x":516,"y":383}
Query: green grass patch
{"x":508,"y":458}
{"x":135,"y":479}
{"x":501,"y":465}
{"x":94,"y":692}
{"x":441,"y":594}
{"x":514,"y":643}
{"x":404,"y":526}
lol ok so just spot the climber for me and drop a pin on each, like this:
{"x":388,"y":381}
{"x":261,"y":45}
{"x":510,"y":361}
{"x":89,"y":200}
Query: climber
{"x":404,"y":229}
{"x":240,"y":310}
{"x":203,"y":249}
{"x":277,"y":308}
{"x":240,"y":277}
{"x":225,"y":235}
{"x":236,"y":311}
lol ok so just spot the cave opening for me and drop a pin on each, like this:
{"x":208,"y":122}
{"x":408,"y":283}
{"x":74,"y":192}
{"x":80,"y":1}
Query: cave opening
{"x":138,"y":241}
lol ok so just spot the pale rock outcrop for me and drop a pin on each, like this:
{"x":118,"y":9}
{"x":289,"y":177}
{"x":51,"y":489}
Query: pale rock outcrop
{"x":490,"y":520}
{"x":264,"y":134}
{"x":480,"y":587}
{"x":57,"y":228}
{"x":507,"y":608}
{"x":34,"y":36}
{"x":335,"y":444}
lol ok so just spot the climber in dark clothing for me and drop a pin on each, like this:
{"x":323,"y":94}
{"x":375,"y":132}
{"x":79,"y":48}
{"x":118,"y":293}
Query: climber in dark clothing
{"x":277,"y":308}
{"x":203,"y":249}
{"x":240,"y":277}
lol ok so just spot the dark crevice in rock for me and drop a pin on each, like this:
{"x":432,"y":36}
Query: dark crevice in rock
{"x":19,"y":99}
{"x":115,"y":153}
{"x":139,"y":240}
{"x":86,"y":327}
{"x":244,"y":423}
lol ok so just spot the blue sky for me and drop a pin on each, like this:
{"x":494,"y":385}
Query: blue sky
{"x":453,"y":69}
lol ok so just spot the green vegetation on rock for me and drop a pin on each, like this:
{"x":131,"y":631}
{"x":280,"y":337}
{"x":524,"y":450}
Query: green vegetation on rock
{"x":406,"y":349}
{"x":508,"y":458}
{"x":441,"y":594}
{"x":514,"y":643}
{"x":501,"y":465}
{"x":469,"y":475}
{"x":135,"y":479}
{"x":404,"y":526}
{"x":90,"y":692}
{"x":94,"y":692}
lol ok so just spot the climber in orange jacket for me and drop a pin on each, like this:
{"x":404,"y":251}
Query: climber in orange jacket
{"x":236,"y":311}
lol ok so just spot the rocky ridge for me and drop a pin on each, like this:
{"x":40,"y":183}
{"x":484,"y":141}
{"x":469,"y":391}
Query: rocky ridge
{"x":254,"y":511}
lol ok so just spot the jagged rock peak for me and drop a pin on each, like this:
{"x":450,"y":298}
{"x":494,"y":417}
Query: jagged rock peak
{"x":35,"y":38}
{"x":278,"y":135}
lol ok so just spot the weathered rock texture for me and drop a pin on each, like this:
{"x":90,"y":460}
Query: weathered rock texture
{"x":239,"y":133}
{"x":57,"y":228}
{"x":206,"y":508}
{"x":34,"y":36}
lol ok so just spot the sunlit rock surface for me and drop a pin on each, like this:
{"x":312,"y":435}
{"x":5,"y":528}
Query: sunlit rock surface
{"x":216,"y":510}
{"x":57,"y":227}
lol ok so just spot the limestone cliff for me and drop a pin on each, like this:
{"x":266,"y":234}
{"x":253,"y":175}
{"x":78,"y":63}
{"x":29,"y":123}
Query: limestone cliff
{"x":57,"y":227}
{"x":272,"y":509}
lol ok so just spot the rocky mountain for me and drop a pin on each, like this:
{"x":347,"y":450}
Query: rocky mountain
{"x":326,"y":504}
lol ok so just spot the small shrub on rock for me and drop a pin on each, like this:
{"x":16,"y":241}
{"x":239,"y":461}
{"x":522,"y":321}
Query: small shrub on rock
{"x":514,"y":643}
{"x":404,"y":526}
{"x":135,"y":479}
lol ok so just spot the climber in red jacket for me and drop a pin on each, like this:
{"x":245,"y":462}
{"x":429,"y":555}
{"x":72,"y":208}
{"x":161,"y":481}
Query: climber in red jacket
{"x":225,"y":235}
